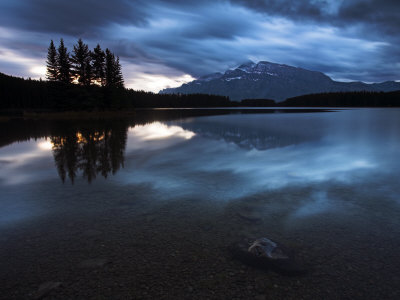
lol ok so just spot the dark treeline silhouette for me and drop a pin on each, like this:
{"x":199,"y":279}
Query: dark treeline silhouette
{"x":18,"y":94}
{"x":346,"y":99}
{"x":334,"y":99}
{"x":142,"y":99}
{"x":25,"y":94}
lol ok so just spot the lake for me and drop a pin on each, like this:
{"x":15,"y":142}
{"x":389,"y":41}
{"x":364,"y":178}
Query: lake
{"x":149,"y":206}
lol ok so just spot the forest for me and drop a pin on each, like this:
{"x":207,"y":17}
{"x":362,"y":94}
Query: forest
{"x":18,"y":94}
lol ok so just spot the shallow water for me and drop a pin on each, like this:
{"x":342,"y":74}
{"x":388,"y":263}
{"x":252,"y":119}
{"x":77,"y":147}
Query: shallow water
{"x":147,"y":207}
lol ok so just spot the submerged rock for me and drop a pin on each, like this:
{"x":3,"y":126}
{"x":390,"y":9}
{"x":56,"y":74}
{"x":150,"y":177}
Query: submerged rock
{"x":263,"y":253}
{"x":264,"y":247}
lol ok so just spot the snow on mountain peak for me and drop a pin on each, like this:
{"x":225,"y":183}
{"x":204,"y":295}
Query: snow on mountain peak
{"x":247,"y":66}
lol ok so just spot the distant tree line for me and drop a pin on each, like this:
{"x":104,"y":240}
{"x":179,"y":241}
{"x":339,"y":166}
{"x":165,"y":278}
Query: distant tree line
{"x":84,"y":66}
{"x":18,"y":94}
{"x":345,"y":99}
{"x":257,"y":102}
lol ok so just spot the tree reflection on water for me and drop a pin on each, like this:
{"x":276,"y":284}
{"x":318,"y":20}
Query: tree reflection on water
{"x":90,"y":150}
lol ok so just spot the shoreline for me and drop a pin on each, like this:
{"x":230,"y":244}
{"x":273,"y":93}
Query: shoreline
{"x":6,"y":116}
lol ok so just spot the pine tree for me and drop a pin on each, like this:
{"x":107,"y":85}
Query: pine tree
{"x":98,"y":59}
{"x":118,"y":79}
{"x":52,"y":66}
{"x":64,"y":67}
{"x":89,"y":70}
{"x":109,"y":68}
{"x":81,"y":63}
{"x":113,"y":73}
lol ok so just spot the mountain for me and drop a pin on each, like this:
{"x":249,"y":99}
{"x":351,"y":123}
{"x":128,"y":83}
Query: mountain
{"x":266,"y":80}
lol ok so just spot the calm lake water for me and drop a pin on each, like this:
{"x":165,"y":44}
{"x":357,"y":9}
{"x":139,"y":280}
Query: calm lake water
{"x":147,"y":207}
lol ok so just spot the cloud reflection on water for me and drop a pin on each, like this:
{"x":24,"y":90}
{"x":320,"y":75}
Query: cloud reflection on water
{"x":190,"y":168}
{"x":21,"y":162}
{"x":306,"y":150}
{"x":157,"y":130}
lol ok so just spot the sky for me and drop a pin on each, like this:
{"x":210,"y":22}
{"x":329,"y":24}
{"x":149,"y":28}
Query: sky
{"x":164,"y":43}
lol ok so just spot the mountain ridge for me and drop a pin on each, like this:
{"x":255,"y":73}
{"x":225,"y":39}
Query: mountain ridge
{"x":267,"y":80}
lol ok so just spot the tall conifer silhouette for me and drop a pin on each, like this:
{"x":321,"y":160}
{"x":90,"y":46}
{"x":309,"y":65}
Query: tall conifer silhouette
{"x":81,"y":63}
{"x":64,"y":66}
{"x":98,"y":63}
{"x":51,"y":63}
{"x":118,"y":78}
{"x":113,"y":73}
{"x":109,"y":68}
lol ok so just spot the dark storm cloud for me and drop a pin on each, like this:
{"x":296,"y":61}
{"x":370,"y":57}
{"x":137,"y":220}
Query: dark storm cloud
{"x":288,"y":8}
{"x":373,"y":17}
{"x":190,"y":38}
{"x":383,"y":14}
{"x":69,"y":17}
{"x":347,"y":39}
